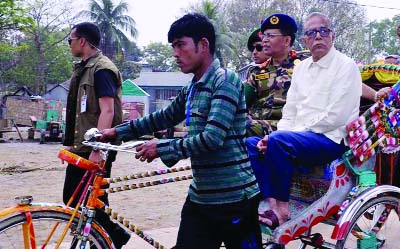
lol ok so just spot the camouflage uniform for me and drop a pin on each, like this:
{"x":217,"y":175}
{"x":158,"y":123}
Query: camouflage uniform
{"x":266,"y":88}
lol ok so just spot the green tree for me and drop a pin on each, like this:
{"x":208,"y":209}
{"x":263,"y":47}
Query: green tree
{"x":45,"y":38}
{"x":383,"y":36}
{"x":12,"y":16}
{"x":112,"y":22}
{"x":159,"y":55}
{"x":213,"y":10}
{"x":19,"y":63}
{"x":9,"y":58}
{"x":129,"y":69}
{"x":37,"y":55}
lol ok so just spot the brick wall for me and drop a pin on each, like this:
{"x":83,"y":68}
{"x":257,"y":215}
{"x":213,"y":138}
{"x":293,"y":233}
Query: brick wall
{"x":21,"y":109}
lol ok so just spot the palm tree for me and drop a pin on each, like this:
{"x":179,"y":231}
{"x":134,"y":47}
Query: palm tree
{"x":223,"y":42}
{"x":112,"y":23}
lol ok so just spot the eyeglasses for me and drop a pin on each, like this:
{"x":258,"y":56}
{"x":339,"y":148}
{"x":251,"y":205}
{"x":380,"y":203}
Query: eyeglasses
{"x":70,"y":39}
{"x":258,"y":47}
{"x":269,"y":36}
{"x":323,"y":32}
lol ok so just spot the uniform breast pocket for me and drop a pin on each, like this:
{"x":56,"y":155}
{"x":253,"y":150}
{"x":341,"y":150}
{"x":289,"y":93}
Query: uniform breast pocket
{"x":85,"y":86}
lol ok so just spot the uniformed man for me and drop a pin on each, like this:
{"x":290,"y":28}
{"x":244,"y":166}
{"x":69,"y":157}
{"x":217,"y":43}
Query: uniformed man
{"x":268,"y":82}
{"x":266,"y":87}
{"x":255,"y":70}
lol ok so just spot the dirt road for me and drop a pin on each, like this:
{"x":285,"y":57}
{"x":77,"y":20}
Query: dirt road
{"x":31,"y":168}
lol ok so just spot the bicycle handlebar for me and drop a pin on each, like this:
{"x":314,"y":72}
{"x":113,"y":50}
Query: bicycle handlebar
{"x":92,"y":134}
{"x":125,"y":147}
{"x":83,"y":163}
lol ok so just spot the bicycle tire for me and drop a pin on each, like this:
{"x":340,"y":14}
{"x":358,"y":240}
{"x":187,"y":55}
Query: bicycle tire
{"x":365,"y":220}
{"x":44,"y":219}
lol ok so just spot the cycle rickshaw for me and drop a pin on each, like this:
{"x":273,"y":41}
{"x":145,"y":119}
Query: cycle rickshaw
{"x":356,"y":193}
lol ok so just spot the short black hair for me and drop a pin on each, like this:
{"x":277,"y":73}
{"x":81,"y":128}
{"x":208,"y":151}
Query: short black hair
{"x":193,"y":25}
{"x":90,"y":31}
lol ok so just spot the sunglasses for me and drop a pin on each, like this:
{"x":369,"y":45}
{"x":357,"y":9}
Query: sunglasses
{"x":258,"y":47}
{"x":70,"y":39}
{"x":323,"y":32}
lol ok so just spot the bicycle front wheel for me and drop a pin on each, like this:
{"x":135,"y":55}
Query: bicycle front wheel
{"x":44,"y":220}
{"x":375,"y":225}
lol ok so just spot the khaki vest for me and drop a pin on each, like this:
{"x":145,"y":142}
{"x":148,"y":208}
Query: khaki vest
{"x":90,"y":117}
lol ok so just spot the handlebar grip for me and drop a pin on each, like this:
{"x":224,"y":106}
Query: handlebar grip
{"x":74,"y":159}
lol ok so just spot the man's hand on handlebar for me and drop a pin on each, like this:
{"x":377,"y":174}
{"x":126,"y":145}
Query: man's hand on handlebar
{"x":107,"y":134}
{"x":147,"y":151}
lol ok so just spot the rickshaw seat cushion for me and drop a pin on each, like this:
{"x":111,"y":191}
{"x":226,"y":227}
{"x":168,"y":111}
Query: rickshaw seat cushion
{"x":310,"y":183}
{"x":308,"y":189}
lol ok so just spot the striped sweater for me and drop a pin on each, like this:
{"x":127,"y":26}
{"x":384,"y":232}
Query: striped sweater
{"x":215,"y":113}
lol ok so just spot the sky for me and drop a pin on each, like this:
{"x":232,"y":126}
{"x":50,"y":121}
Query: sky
{"x":375,"y":13}
{"x":154,"y":17}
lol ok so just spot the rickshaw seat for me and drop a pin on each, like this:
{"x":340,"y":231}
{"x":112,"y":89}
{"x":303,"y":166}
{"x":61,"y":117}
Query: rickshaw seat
{"x":310,"y":183}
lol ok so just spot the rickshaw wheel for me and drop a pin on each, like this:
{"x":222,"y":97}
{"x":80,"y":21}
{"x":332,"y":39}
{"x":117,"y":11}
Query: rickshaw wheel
{"x":375,"y":225}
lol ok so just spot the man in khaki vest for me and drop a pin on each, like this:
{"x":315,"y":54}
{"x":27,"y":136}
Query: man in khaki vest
{"x":94,"y":100}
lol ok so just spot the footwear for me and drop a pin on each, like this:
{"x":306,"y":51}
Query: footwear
{"x":263,"y":206}
{"x":270,"y":215}
{"x":119,"y":236}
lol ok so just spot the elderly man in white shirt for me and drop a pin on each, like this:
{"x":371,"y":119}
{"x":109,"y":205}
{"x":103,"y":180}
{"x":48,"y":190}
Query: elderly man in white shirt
{"x":324,"y":96}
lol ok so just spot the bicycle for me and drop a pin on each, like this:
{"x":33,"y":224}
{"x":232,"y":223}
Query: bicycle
{"x":49,"y":225}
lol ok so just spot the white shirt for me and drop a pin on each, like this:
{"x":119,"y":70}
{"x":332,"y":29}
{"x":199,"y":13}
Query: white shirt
{"x":323,"y":97}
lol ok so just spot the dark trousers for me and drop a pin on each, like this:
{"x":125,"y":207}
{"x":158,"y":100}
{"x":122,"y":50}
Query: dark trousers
{"x":285,"y":151}
{"x":207,"y":226}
